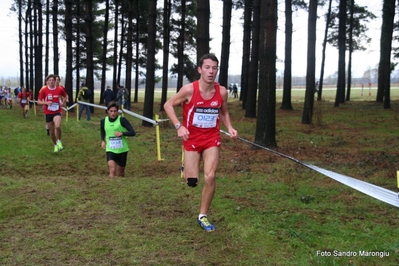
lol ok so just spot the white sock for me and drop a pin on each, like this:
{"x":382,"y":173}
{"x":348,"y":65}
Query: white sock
{"x":201,"y":215}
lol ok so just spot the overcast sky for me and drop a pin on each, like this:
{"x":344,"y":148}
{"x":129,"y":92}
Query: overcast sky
{"x":9,"y":65}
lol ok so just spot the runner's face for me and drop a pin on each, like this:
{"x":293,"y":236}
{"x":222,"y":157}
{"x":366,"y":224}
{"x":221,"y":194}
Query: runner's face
{"x":57,"y":81}
{"x":51,"y":82}
{"x":208,"y":70}
{"x":112,"y":112}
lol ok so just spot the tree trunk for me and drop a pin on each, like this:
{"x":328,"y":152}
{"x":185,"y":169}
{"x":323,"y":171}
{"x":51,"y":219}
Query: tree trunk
{"x":104,"y":52}
{"x":21,"y":44}
{"x":32,"y":41}
{"x":224,"y":58}
{"x":137,"y":52}
{"x":150,"y":80}
{"x":348,"y":91}
{"x":167,"y":7}
{"x":122,"y":38}
{"x":47,"y":47}
{"x":69,"y":52}
{"x":56,"y":58}
{"x":311,"y":63}
{"x":28,"y":85}
{"x":38,"y":45}
{"x":384,"y":67}
{"x":77,"y":53}
{"x":250,"y":106}
{"x":286,"y":103}
{"x":89,"y":18}
{"x":246,"y":51}
{"x":266,"y":122}
{"x":115,"y":53}
{"x":129,"y":52}
{"x":203,"y":17}
{"x":180,"y":46}
{"x":340,"y":96}
{"x":323,"y":56}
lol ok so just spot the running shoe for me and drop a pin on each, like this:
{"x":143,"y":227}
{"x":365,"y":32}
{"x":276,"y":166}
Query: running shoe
{"x":59,"y":144}
{"x":56,"y":148}
{"x":204,"y":223}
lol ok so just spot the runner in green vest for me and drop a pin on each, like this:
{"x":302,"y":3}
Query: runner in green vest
{"x":114,"y":130}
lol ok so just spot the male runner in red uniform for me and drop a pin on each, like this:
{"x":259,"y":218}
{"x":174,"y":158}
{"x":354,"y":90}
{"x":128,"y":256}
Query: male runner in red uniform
{"x":204,"y":106}
{"x":51,"y":96}
{"x":23,"y":98}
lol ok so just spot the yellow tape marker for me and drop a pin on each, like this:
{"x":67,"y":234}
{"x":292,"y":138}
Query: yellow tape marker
{"x":397,"y":176}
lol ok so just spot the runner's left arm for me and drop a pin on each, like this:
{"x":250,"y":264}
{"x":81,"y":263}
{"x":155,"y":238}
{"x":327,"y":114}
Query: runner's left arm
{"x":126,"y":124}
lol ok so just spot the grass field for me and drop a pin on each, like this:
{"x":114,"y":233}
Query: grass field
{"x":63,"y":209}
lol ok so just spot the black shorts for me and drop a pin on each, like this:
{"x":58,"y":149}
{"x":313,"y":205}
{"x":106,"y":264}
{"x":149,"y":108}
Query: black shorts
{"x":49,"y":118}
{"x":119,"y":158}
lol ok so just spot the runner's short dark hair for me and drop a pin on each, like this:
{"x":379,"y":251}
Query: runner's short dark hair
{"x":208,"y":56}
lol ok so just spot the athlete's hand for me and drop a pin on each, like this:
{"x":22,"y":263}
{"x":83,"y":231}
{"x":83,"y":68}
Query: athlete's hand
{"x":183,"y":133}
{"x":233,"y":133}
{"x":118,"y":134}
{"x":103,"y":144}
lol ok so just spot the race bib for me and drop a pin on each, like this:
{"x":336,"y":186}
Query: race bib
{"x":23,"y":101}
{"x":115,"y":143}
{"x":205,"y":117}
{"x":54,"y":107}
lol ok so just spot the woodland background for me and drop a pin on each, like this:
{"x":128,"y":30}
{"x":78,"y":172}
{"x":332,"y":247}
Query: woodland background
{"x":180,"y":30}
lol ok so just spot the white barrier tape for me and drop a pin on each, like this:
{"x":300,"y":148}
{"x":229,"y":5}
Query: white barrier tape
{"x":72,"y":106}
{"x":374,"y":191}
{"x":93,"y":105}
{"x":163,"y":120}
{"x":141,"y":117}
{"x":120,"y":111}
